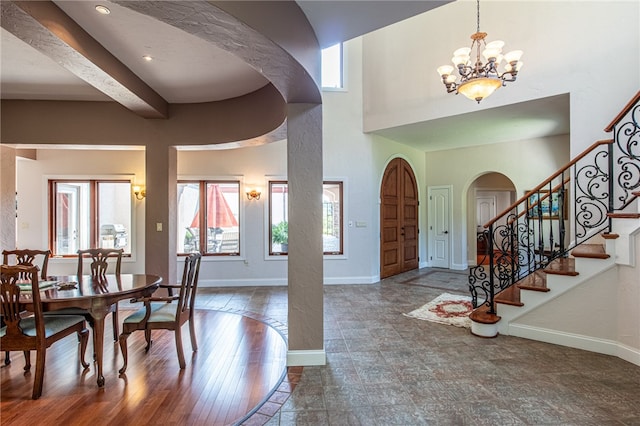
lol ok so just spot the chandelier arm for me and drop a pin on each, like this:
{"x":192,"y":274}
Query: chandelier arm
{"x":479,"y":80}
{"x":512,"y":76}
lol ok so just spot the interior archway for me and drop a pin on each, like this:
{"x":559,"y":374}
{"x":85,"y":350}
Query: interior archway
{"x":489,"y":194}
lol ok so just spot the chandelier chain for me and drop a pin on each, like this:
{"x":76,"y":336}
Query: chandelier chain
{"x":478,"y":77}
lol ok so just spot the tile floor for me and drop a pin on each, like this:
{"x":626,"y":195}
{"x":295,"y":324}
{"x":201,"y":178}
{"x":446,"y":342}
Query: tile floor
{"x":386,"y":369}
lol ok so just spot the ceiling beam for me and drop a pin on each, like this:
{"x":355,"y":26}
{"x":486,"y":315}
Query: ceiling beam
{"x":46,"y":28}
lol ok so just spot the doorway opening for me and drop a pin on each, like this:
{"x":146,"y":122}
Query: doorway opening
{"x":398,"y":219}
{"x":492,"y":192}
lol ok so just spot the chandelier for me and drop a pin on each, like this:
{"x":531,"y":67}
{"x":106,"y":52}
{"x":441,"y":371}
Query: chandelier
{"x":478,"y":80}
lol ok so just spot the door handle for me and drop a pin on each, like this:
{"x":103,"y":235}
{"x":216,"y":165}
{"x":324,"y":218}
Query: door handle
{"x":445,"y":232}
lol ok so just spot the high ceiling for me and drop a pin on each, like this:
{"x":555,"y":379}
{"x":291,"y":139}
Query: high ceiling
{"x":187,"y":69}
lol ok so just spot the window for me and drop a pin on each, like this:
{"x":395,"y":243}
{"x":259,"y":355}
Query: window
{"x":331,"y":218}
{"x":332,"y":67}
{"x":89,"y":214}
{"x":278,"y":217}
{"x":214,"y":229}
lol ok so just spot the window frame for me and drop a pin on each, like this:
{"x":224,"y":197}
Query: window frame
{"x":94,"y":214}
{"x":343,"y":70}
{"x":202,"y":243}
{"x":275,"y":254}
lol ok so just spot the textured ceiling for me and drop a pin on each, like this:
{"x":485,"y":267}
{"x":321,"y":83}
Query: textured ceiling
{"x":188,"y":69}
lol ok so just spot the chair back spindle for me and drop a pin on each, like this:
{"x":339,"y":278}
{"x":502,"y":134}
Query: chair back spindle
{"x":10,"y":277}
{"x":99,"y":261}
{"x":187,"y":297}
{"x":27,"y":257}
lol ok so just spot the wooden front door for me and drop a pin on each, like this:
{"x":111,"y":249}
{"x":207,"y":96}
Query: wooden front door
{"x":398,"y":219}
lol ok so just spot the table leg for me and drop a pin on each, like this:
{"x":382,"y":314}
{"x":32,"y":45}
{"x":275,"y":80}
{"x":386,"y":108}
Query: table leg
{"x":98,"y":329}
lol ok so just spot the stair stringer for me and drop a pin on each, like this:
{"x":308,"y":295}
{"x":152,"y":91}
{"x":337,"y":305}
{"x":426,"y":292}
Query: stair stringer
{"x":600,"y":338}
{"x":622,"y":254}
{"x":624,"y":246}
{"x":557,"y":284}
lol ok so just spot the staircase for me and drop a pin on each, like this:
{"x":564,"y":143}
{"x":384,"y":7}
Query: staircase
{"x":569,"y":231}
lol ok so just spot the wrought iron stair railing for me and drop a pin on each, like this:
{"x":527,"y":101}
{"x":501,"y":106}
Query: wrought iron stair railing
{"x":564,"y":211}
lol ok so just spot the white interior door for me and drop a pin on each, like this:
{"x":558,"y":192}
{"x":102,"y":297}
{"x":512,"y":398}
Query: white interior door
{"x":485,"y":210}
{"x":440,"y":226}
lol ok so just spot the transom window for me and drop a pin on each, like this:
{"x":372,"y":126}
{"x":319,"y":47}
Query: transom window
{"x":332,"y":69}
{"x":331,"y":218}
{"x":89,"y":214}
{"x":209,"y":217}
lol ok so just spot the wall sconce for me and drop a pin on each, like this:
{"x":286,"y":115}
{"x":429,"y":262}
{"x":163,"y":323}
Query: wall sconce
{"x":139,"y":192}
{"x":254,"y":194}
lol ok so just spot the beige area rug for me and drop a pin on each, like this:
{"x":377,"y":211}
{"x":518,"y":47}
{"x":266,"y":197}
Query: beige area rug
{"x":450,"y":309}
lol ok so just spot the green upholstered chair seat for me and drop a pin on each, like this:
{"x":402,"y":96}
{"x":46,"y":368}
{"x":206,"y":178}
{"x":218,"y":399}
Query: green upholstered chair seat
{"x":52,"y":324}
{"x":167,"y":316}
{"x":35,"y":332}
{"x":160,"y":312}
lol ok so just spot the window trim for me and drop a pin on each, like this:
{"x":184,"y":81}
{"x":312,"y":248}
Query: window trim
{"x":93,"y":181}
{"x":270,"y":254}
{"x":343,"y":71}
{"x":340,"y":184}
{"x":202,"y":182}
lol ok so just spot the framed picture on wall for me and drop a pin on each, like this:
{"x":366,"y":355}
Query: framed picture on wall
{"x":547,"y":203}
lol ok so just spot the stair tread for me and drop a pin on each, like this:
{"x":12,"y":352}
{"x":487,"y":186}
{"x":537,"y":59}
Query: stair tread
{"x":535,"y":282}
{"x":481,"y":314}
{"x":592,"y":251}
{"x":610,"y":236}
{"x":624,"y":215}
{"x":509,"y":296}
{"x":562,"y":266}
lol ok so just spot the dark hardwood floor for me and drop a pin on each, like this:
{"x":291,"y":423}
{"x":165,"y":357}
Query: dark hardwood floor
{"x":239,"y":363}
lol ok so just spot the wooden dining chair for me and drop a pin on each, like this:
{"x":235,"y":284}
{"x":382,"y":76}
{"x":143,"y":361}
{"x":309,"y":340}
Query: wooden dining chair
{"x":167,"y":313}
{"x":99,"y":267}
{"x":26,"y":257}
{"x":36,"y":332}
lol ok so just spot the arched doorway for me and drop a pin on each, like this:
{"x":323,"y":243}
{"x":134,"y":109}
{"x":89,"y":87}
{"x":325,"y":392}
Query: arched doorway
{"x":492,"y":193}
{"x":398,"y":219}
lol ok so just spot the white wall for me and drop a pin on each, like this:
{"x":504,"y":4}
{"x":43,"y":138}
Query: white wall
{"x":602,"y":315}
{"x":589,"y":49}
{"x":348,"y":156}
{"x":32,"y":177}
{"x":628,"y":302}
{"x":526,"y":163}
{"x":253,"y":166}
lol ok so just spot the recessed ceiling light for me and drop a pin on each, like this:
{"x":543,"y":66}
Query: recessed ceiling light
{"x":103,"y":9}
{"x":147,"y":58}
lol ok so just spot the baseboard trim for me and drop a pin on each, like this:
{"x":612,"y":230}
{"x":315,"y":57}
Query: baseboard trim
{"x":277,"y":282}
{"x":351,"y":280}
{"x":459,"y":267}
{"x":306,"y":358}
{"x":588,"y":343}
{"x":248,"y":282}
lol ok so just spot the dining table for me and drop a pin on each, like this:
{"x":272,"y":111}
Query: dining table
{"x":96,"y":295}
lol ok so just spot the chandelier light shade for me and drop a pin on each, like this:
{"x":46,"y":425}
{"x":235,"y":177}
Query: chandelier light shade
{"x":477,"y":79}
